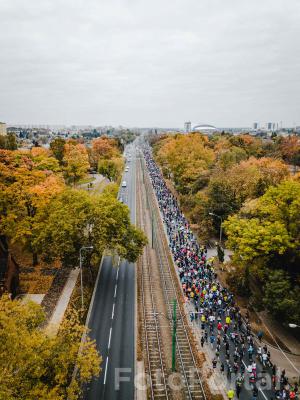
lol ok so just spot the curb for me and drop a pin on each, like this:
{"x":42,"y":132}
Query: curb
{"x":94,"y":292}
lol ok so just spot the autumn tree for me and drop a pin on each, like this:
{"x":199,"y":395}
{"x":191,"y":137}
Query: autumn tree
{"x":186,"y":159}
{"x":290,"y":149}
{"x":43,"y":159}
{"x":269,"y":228}
{"x":24,"y":190}
{"x":251,"y":145}
{"x":247,"y":180}
{"x":76,"y":162}
{"x":30,"y":191}
{"x":74,"y":219}
{"x":265,"y":238}
{"x":36,"y":366}
{"x":104,"y":148}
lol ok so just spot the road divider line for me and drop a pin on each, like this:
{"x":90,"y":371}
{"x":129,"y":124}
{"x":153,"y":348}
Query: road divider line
{"x":115,"y":290}
{"x":117,"y":274}
{"x":260,"y":389}
{"x":109,"y":338}
{"x":113,"y":311}
{"x":105,"y":373}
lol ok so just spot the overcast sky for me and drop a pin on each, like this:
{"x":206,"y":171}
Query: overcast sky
{"x":150,"y":63}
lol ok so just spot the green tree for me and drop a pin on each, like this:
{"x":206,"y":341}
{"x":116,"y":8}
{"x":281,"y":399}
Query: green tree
{"x":74,"y":219}
{"x":76,"y":162}
{"x":269,"y":228}
{"x":34,"y":365}
{"x":280,"y":298}
{"x":8,"y":142}
{"x":232,"y":156}
{"x":57,"y":147}
{"x":111,"y":169}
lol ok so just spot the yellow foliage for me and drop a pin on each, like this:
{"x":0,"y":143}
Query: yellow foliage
{"x":35,"y":366}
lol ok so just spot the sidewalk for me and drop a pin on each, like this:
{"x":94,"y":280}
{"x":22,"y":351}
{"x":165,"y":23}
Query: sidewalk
{"x":62,"y":303}
{"x":212,"y":252}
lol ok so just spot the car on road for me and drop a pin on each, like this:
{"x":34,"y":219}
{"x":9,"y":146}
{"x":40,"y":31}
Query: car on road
{"x":126,"y":169}
{"x":124,"y":184}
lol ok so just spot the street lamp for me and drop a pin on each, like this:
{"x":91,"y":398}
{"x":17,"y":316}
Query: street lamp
{"x":80,"y":265}
{"x":294,"y":326}
{"x":218,"y":216}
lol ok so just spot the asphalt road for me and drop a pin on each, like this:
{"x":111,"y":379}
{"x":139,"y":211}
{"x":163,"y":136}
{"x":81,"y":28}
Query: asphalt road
{"x":112,"y":320}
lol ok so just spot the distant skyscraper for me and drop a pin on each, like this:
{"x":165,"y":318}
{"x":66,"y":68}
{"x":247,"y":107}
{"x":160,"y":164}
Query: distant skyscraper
{"x":2,"y":128}
{"x":188,"y":126}
{"x":255,"y":125}
{"x":270,"y":126}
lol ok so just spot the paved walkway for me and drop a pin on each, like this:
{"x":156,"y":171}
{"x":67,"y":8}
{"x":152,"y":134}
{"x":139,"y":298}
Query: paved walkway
{"x":37,"y":298}
{"x":212,"y":252}
{"x":62,"y":303}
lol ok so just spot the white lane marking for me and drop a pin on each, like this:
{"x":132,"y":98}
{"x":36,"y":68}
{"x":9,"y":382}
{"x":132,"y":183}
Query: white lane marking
{"x":263,"y":393}
{"x":113,"y":312}
{"x":119,"y":261}
{"x":109,"y":338}
{"x":105,"y":370}
{"x":115,"y":290}
{"x":117,"y":274}
{"x":259,"y":388}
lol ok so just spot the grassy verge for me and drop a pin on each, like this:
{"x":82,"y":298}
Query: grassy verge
{"x":88,"y":179}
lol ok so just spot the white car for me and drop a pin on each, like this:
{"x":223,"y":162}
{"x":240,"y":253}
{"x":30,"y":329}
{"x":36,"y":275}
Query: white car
{"x":126,"y":169}
{"x":124,"y":184}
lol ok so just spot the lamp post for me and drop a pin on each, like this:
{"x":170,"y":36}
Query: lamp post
{"x":218,"y":216}
{"x":80,"y":266}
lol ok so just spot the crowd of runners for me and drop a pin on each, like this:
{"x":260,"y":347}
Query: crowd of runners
{"x":236,"y":351}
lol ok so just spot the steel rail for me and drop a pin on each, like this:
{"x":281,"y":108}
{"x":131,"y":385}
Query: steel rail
{"x":149,"y":320}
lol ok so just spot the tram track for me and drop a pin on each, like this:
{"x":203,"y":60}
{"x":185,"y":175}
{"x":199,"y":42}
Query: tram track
{"x":151,"y":330}
{"x":186,"y":361}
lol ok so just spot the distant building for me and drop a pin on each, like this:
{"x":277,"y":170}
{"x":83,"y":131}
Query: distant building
{"x":207,"y":129}
{"x":269,"y":126}
{"x":2,"y":129}
{"x":187,"y":126}
{"x":255,"y":126}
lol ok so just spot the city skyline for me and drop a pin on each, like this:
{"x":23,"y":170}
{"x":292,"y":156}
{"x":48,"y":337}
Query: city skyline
{"x":142,"y":65}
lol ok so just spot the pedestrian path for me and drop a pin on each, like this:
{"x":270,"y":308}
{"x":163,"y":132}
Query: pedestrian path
{"x":62,"y":304}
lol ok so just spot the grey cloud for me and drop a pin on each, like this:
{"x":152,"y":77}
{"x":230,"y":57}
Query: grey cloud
{"x":147,"y":63}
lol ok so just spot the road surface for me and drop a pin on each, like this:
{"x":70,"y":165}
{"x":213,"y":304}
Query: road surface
{"x":112,"y":320}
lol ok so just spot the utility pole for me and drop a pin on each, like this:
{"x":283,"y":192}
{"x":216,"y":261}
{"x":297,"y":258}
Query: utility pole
{"x":174,"y":337}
